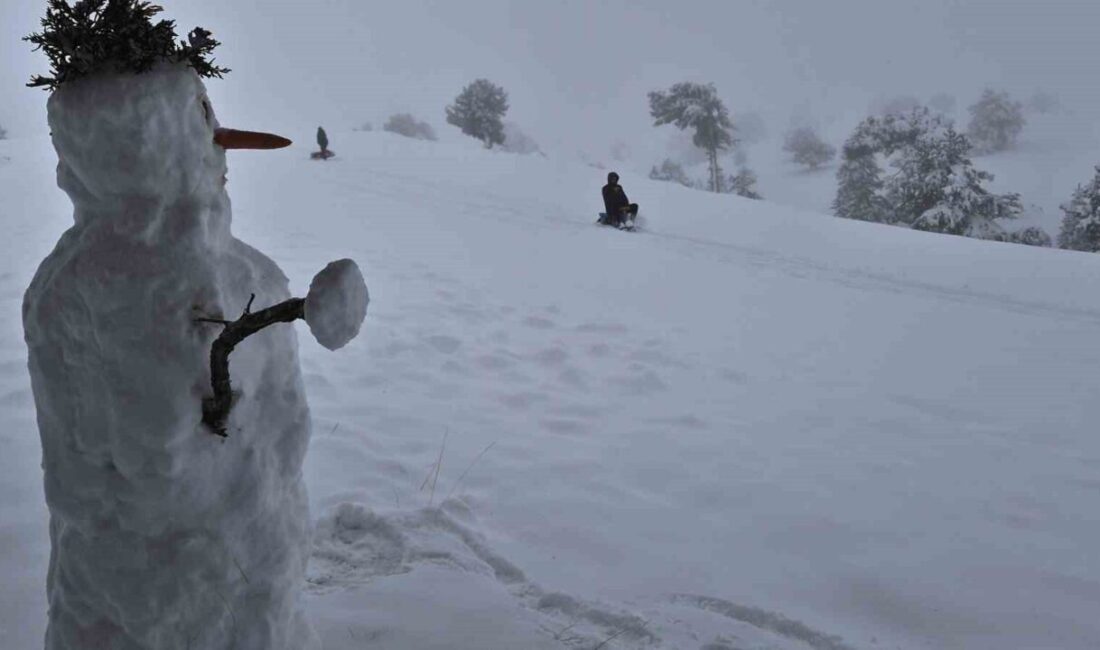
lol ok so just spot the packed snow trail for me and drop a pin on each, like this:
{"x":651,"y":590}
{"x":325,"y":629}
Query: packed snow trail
{"x":741,"y":427}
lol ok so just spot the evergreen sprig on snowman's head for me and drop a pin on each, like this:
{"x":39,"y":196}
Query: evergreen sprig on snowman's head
{"x":93,"y":36}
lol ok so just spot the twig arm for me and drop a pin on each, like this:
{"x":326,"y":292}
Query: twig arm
{"x":215,"y":409}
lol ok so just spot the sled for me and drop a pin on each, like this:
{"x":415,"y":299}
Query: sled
{"x":321,"y":155}
{"x":627,"y":225}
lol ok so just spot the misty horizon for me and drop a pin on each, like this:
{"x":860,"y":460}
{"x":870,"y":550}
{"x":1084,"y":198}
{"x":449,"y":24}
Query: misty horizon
{"x":342,"y":64}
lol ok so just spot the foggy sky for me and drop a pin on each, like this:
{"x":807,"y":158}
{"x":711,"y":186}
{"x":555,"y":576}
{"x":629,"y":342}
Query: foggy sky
{"x":577,"y":72}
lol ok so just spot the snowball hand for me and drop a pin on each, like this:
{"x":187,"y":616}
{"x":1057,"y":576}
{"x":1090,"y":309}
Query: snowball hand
{"x":337,"y":304}
{"x":334,"y":308}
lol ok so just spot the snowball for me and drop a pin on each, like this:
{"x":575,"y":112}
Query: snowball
{"x":337,"y":304}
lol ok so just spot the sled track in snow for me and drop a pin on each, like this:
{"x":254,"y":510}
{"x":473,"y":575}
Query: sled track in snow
{"x":878,"y":280}
{"x":484,"y":204}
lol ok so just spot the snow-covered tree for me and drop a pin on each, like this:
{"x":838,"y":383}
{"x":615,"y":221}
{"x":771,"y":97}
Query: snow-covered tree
{"x":517,"y":141}
{"x":995,"y":122}
{"x":743,"y":183}
{"x":670,"y":171}
{"x":1081,"y":223}
{"x":807,"y":148}
{"x":479,"y":111}
{"x":410,"y":127}
{"x":859,"y":186}
{"x":937,"y":189}
{"x":1031,"y":236}
{"x":935,"y":186}
{"x":696,"y":106}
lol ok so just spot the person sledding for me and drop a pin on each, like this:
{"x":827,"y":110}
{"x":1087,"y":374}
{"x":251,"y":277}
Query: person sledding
{"x":620,"y":212}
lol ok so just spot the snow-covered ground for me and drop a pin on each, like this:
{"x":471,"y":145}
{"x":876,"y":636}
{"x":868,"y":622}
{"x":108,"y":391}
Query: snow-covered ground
{"x":743,"y":427}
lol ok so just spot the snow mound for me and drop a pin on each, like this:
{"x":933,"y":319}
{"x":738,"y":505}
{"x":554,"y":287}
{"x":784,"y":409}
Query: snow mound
{"x":337,"y":304}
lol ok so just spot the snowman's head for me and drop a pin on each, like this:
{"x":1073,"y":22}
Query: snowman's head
{"x":126,"y":137}
{"x":136,"y":138}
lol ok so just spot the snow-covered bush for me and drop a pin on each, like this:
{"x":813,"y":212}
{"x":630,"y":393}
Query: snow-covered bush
{"x":410,"y":127}
{"x":743,"y":183}
{"x":365,"y":127}
{"x":1031,"y":236}
{"x":1081,"y":223}
{"x":479,"y":111}
{"x":516,"y":141}
{"x":995,"y":122}
{"x":696,"y":106}
{"x":670,"y":171}
{"x":807,"y":148}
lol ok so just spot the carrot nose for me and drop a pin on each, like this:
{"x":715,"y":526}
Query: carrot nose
{"x":234,"y":139}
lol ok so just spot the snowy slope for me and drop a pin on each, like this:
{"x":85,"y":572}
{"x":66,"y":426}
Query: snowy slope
{"x":745,"y":427}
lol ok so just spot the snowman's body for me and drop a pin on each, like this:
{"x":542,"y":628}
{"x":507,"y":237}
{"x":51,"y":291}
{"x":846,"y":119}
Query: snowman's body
{"x":164,"y":536}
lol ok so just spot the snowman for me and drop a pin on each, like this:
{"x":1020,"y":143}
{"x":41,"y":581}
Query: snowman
{"x":172,"y":413}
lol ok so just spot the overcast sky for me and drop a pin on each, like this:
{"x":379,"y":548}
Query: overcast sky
{"x":577,"y":71}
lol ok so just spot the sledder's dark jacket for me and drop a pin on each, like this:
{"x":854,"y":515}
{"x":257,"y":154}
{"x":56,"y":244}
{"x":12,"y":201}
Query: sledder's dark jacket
{"x":614,"y":199}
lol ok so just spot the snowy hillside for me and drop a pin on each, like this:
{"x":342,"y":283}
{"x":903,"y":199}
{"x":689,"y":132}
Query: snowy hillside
{"x":743,"y":427}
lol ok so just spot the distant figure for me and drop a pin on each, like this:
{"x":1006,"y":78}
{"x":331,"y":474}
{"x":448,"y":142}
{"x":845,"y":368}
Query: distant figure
{"x":620,"y":212}
{"x":322,"y":142}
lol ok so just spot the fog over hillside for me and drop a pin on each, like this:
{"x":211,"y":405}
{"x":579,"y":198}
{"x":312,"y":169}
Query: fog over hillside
{"x":577,"y":72}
